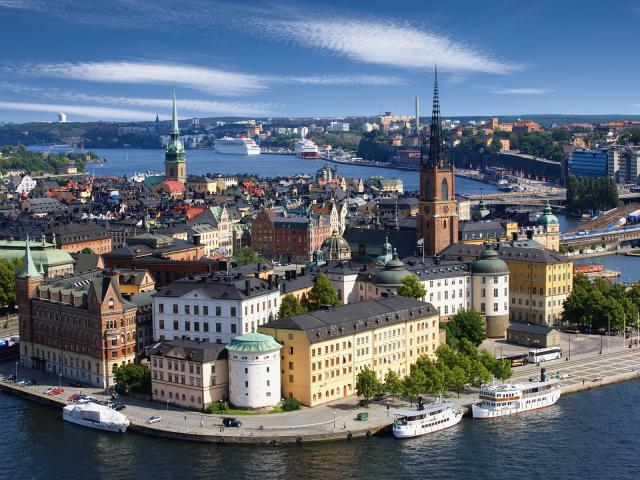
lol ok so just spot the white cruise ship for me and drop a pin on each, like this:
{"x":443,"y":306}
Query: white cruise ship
{"x":96,"y":416}
{"x":305,"y":148}
{"x":509,"y":398}
{"x":426,"y":419}
{"x":237,"y":146}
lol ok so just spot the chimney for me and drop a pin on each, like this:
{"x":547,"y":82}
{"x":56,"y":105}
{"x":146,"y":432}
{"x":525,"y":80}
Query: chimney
{"x":543,"y":374}
{"x":258,"y":266}
{"x":247,"y":287}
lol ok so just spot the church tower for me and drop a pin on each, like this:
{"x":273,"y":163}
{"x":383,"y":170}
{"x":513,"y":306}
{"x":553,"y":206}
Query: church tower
{"x":438,"y":216}
{"x":27,"y":281}
{"x":175,"y":163}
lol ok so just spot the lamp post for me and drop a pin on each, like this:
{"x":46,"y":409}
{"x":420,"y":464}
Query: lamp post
{"x":16,"y":379}
{"x":334,"y":419}
{"x":60,"y":380}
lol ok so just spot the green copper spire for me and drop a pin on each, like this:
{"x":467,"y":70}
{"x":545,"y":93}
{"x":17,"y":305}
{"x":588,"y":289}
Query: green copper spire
{"x":28,"y":267}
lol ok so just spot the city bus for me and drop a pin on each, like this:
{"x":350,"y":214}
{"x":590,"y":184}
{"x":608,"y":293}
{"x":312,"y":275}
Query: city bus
{"x":544,"y":354}
{"x":517,"y":359}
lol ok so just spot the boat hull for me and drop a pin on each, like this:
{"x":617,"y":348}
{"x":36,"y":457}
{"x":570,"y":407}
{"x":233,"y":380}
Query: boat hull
{"x":107,"y":427}
{"x":238,"y":151}
{"x":308,"y":155}
{"x":478,"y":411}
{"x":417,"y":430}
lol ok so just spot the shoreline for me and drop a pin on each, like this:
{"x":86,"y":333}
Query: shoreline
{"x":347,"y":428}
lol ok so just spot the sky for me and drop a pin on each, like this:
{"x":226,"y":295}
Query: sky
{"x":118,"y":60}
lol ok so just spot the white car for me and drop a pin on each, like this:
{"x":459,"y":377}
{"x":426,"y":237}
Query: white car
{"x":154,"y":419}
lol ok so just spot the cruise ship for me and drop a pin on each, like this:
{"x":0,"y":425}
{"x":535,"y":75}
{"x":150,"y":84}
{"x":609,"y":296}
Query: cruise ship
{"x":497,"y":400}
{"x":96,"y":416}
{"x":237,"y":146}
{"x":426,"y":419}
{"x":305,"y":148}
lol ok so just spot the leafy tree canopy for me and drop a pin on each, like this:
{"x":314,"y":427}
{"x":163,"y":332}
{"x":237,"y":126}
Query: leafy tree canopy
{"x":412,"y":287}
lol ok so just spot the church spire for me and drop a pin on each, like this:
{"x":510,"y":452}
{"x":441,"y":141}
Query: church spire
{"x":436,"y":153}
{"x":174,"y":118}
{"x":28,"y":267}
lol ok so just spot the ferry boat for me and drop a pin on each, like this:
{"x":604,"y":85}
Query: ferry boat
{"x":96,"y":416}
{"x":305,"y":148}
{"x":497,"y":400}
{"x":426,"y":419}
{"x":237,"y":146}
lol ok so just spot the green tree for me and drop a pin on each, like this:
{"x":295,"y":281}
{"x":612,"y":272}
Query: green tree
{"x":466,"y":324}
{"x":456,"y":379}
{"x":245,"y":256}
{"x":8,"y":269}
{"x":367,"y":384}
{"x":322,"y":293}
{"x":412,"y":287}
{"x":87,"y":250}
{"x":290,"y":306}
{"x":495,"y":146}
{"x":502,"y":370}
{"x":412,"y":384}
{"x":392,"y":383}
{"x":133,"y":377}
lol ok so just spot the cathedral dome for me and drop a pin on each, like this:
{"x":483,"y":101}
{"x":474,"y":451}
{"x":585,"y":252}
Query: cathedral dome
{"x":336,"y":247}
{"x":392,"y":274}
{"x":489,"y":263}
{"x":547,"y":218}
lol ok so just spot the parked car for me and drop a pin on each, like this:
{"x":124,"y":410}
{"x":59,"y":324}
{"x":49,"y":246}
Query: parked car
{"x":231,"y":422}
{"x":26,"y":382}
{"x":154,"y":419}
{"x":379,"y":397}
{"x":118,"y":406}
{"x":54,"y":391}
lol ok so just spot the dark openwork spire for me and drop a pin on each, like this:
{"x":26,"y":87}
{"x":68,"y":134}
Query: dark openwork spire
{"x":436,"y":151}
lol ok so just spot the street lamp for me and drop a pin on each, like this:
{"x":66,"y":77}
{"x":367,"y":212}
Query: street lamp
{"x":569,"y":348}
{"x":60,"y":380}
{"x":334,"y":419}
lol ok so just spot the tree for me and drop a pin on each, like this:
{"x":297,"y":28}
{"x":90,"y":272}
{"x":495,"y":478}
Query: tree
{"x":290,"y":306}
{"x":412,"y":384}
{"x":367,"y":384}
{"x":495,"y":146}
{"x":133,"y":377}
{"x":8,"y":270}
{"x":466,"y":324}
{"x":322,"y":293}
{"x":245,"y":256}
{"x":502,"y":370}
{"x":392,"y":383}
{"x":412,"y":287}
{"x":456,"y":379}
{"x":87,"y":250}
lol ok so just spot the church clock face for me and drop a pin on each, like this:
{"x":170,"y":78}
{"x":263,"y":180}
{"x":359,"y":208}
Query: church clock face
{"x":445,"y":209}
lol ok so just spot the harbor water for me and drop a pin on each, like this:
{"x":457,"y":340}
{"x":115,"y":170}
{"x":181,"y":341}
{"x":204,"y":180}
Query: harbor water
{"x":590,"y":435}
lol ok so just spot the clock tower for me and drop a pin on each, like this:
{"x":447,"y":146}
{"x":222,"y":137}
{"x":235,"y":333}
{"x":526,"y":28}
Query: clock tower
{"x":437,"y":223}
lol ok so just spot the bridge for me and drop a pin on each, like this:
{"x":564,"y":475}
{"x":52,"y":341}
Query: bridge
{"x":605,"y":235}
{"x":555,"y":196}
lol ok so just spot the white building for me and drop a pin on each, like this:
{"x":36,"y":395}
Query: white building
{"x":62,"y":117}
{"x":26,"y":185}
{"x":217,"y":308}
{"x":369,"y":127}
{"x":338,"y":127}
{"x":490,"y":283}
{"x":254,"y":371}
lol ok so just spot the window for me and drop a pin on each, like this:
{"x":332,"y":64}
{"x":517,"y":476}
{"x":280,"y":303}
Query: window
{"x":444,"y":190}
{"x":175,"y":308}
{"x":161,"y":307}
{"x":218,"y":311}
{"x":290,"y":378}
{"x":196,"y":309}
{"x":495,"y":307}
{"x":205,"y":310}
{"x":482,"y":308}
{"x":233,"y":311}
{"x":290,"y":350}
{"x":233,"y":328}
{"x":175,"y":325}
{"x":187,"y":325}
{"x":290,"y":365}
{"x":161,"y":324}
{"x":218,"y":327}
{"x":187,"y":309}
{"x":205,"y":326}
{"x":495,"y":292}
{"x":196,"y":326}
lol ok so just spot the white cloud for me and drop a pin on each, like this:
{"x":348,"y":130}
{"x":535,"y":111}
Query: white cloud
{"x":209,"y":80}
{"x":383,"y":42}
{"x":101,"y":113}
{"x":518,"y":91}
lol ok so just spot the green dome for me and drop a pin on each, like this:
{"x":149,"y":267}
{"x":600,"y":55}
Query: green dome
{"x":392,"y":274}
{"x":336,"y":247}
{"x":547,"y":218}
{"x":489,"y":263}
{"x":253,"y":342}
{"x":483,"y":211}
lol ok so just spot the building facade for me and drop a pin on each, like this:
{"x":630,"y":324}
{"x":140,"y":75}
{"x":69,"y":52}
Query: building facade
{"x":323,"y":351}
{"x":589,"y":163}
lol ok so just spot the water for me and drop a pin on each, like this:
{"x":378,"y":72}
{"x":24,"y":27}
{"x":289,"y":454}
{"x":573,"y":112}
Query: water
{"x":590,"y":435}
{"x":199,"y":162}
{"x":629,"y":267}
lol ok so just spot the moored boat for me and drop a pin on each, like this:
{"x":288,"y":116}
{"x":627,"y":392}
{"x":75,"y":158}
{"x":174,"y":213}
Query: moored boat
{"x":497,"y":400}
{"x":96,"y":416}
{"x":237,"y":146}
{"x":424,"y":419}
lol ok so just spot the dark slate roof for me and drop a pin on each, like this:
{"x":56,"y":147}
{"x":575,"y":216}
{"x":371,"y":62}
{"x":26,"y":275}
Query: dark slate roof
{"x":347,"y":319}
{"x":142,"y":299}
{"x":202,"y":352}
{"x":506,"y":252}
{"x":530,"y":328}
{"x":218,"y":286}
{"x":404,"y":241}
{"x":432,"y":268}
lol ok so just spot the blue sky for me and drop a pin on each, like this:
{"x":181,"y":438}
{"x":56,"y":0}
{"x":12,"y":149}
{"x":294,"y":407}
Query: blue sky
{"x":117,"y":60}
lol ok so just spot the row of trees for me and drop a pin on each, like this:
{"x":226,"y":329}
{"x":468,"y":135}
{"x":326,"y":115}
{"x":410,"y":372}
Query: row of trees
{"x":585,"y":194}
{"x":453,"y":369}
{"x":34,"y":162}
{"x":599,"y":305}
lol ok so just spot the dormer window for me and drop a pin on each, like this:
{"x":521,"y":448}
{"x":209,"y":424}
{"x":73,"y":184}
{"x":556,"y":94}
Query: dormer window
{"x":111,"y":304}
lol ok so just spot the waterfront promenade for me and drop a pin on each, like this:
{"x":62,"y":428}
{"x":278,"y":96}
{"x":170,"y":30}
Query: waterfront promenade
{"x":335,"y":421}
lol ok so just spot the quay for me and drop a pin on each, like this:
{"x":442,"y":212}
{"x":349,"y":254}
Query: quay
{"x":332,"y":422}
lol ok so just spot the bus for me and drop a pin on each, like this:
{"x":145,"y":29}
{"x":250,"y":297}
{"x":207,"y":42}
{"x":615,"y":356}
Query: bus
{"x":517,"y":359}
{"x":544,"y":354}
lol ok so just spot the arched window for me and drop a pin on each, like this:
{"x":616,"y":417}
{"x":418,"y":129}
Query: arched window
{"x":444,"y":190}
{"x":111,"y":303}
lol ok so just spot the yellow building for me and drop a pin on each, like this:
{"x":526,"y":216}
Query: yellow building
{"x":323,"y":351}
{"x":203,"y":185}
{"x":133,"y":282}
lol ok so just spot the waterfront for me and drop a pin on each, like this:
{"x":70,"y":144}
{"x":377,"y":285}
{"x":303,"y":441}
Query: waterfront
{"x":589,"y":435}
{"x":628,"y":266}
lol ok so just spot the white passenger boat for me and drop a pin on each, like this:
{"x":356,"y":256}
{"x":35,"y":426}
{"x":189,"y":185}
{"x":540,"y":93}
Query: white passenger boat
{"x":305,"y":148}
{"x":96,"y":416}
{"x":426,"y":419}
{"x":237,"y":146}
{"x":497,"y":400}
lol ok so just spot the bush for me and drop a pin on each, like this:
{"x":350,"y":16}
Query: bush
{"x":216,"y":407}
{"x":290,"y":404}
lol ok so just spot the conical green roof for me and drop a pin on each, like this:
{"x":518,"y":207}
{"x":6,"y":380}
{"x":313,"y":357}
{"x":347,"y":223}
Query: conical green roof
{"x":253,"y":342}
{"x":547,"y":218}
{"x":28,"y":266}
